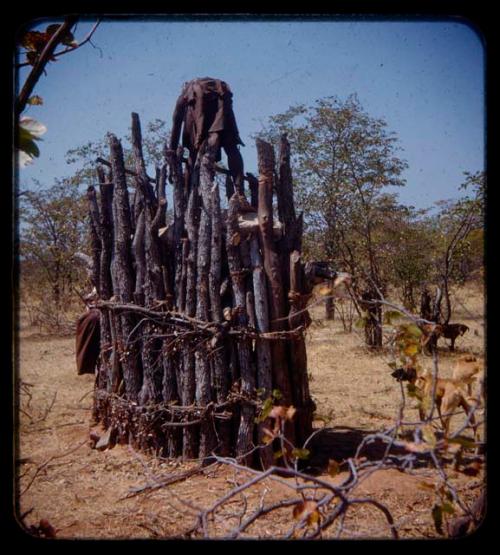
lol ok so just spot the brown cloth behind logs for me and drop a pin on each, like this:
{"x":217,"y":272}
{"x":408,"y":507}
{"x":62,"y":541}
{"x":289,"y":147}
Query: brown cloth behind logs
{"x":87,"y":341}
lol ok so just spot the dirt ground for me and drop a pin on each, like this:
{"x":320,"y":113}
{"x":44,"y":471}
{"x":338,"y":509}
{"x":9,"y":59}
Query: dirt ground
{"x":81,"y":491}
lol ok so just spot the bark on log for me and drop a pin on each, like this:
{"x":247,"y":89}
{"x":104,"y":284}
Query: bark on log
{"x":218,"y":361}
{"x":262,"y":347}
{"x":253,"y":184}
{"x":298,"y":353}
{"x":245,"y":432}
{"x":124,"y":278}
{"x":190,"y":433}
{"x":105,"y":235}
{"x":95,"y":277}
{"x":202,"y":364}
{"x":95,"y":243}
{"x":272,"y":267}
{"x":139,"y":259}
{"x":174,"y":161}
{"x":150,"y":266}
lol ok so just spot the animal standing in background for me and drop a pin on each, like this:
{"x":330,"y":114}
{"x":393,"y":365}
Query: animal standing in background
{"x":468,"y":369}
{"x":449,"y":395}
{"x":448,"y":331}
{"x":429,"y":332}
{"x":452,"y":331}
{"x":204,"y":111}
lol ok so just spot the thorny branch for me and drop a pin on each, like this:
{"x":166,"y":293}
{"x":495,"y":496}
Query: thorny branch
{"x":329,"y":504}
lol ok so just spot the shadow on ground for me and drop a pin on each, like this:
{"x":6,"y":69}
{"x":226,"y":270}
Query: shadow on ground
{"x":341,"y":443}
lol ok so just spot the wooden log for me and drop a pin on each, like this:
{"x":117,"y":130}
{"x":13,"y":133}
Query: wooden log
{"x":262,"y":347}
{"x":298,"y":353}
{"x":170,"y":394}
{"x":180,"y":246}
{"x":95,"y":243}
{"x":245,"y":431}
{"x":139,"y":259}
{"x":95,"y":275}
{"x":229,"y":186}
{"x":253,"y":184}
{"x":292,"y":235}
{"x":202,"y":364}
{"x":190,"y":433}
{"x":161,"y":210}
{"x":105,"y":235}
{"x":115,"y":372}
{"x":218,"y":359}
{"x":124,"y":278}
{"x":272,"y":268}
{"x":141,"y":178}
{"x":150,"y":257}
{"x":105,"y":230}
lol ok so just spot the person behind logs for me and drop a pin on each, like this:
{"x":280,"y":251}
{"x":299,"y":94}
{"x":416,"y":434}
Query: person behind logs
{"x":205,"y":111}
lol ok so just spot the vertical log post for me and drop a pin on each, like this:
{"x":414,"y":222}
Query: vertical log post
{"x":218,"y":361}
{"x":202,"y":363}
{"x":245,"y":431}
{"x":124,"y":276}
{"x":272,"y":268}
{"x":188,"y":387}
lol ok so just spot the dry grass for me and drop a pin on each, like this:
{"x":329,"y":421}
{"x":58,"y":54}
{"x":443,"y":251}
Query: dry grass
{"x":80,"y":490}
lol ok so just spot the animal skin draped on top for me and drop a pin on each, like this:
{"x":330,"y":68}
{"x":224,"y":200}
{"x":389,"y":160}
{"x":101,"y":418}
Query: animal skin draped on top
{"x":205,"y":105}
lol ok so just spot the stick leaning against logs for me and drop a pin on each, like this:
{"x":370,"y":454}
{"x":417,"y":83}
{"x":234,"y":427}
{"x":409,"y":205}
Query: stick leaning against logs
{"x":203,"y":317}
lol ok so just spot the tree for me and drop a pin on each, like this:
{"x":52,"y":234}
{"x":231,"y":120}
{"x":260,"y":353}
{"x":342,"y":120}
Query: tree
{"x":459,"y":225}
{"x":52,"y":230}
{"x":84,"y":156}
{"x":343,"y":160}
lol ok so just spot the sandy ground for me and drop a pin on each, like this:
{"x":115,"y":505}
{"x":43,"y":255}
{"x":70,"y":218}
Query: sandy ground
{"x":81,"y":491}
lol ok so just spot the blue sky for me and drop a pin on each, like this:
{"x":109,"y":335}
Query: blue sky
{"x":426,"y":79}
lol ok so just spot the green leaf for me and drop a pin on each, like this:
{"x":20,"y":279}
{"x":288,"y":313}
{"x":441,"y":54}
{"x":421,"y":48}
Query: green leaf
{"x":278,"y":454}
{"x":414,"y":330}
{"x":27,"y":144}
{"x":392,"y":365}
{"x":277,"y":394}
{"x":391,"y":315}
{"x":267,"y":407}
{"x":301,"y":453}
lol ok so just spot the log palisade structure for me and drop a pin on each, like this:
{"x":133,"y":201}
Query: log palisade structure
{"x":202,"y":317}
